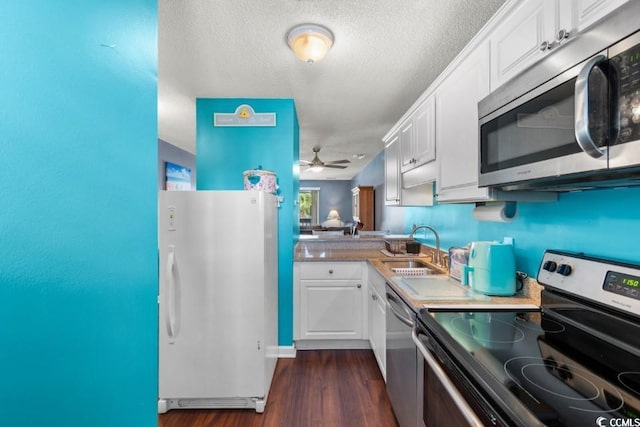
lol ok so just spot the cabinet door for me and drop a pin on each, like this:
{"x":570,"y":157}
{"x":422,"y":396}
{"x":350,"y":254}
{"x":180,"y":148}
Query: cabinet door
{"x":586,"y":12}
{"x":516,"y":42}
{"x":331,"y":309}
{"x":407,"y":150}
{"x":378,"y":318}
{"x":424,"y":122}
{"x":379,"y":325}
{"x":392,"y":171}
{"x":371,"y":303}
{"x":457,"y":128}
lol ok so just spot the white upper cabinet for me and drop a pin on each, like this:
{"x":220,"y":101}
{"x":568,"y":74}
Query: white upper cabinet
{"x":412,"y":188}
{"x":407,"y":141}
{"x":457,"y":128}
{"x":536,"y":27}
{"x":521,"y":39}
{"x":439,"y":138}
{"x":392,"y":182}
{"x":417,"y":136}
{"x":579,"y":14}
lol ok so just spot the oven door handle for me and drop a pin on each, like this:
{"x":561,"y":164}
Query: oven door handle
{"x":583,"y":137}
{"x":459,"y":400}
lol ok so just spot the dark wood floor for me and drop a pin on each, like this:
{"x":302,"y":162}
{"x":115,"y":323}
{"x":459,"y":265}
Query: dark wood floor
{"x":332,"y":388}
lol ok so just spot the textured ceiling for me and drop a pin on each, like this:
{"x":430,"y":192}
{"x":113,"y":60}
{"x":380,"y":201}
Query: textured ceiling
{"x":386,"y":53}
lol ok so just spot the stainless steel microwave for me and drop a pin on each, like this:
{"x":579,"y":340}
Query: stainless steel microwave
{"x":579,"y":129}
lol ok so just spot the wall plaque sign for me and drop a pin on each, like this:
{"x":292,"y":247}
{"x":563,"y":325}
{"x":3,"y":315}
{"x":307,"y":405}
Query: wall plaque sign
{"x":244,"y":116}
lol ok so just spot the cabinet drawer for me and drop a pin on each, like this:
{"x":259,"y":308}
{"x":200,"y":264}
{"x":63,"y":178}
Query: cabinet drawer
{"x":331,"y":270}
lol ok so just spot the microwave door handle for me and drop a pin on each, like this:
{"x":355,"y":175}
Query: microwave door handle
{"x":583,"y":137}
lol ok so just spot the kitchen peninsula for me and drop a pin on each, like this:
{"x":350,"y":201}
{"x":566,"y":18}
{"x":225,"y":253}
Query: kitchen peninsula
{"x":371,"y":250}
{"x":344,"y":287}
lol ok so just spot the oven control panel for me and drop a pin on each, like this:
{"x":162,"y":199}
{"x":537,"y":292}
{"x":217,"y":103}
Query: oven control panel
{"x":622,"y":284}
{"x":613,"y":283}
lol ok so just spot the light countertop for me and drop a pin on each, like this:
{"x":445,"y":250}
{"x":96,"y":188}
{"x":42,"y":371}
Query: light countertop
{"x":371,"y":252}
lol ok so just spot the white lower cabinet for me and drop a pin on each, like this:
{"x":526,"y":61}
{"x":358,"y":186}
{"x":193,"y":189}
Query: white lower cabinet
{"x":331,"y":309}
{"x":377,"y":303}
{"x":330,"y":302}
{"x":340,"y":305}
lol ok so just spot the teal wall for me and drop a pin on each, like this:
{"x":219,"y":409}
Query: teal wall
{"x":78,"y":257}
{"x":603,"y":223}
{"x":224,"y":153}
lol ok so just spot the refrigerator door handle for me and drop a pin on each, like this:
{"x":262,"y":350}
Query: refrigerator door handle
{"x":170,"y":305}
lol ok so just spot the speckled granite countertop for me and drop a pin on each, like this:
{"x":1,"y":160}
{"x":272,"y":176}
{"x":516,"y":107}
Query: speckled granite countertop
{"x":349,"y":249}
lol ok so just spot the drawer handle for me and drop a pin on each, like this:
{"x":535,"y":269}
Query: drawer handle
{"x":359,"y":286}
{"x":330,"y":271}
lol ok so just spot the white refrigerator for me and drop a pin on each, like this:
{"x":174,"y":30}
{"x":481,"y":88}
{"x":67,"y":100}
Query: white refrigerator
{"x":218,"y":314}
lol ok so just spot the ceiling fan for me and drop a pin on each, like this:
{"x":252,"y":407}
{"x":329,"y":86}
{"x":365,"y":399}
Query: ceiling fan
{"x":316,"y":165}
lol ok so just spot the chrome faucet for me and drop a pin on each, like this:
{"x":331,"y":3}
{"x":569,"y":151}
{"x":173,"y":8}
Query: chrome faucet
{"x":437,"y":259}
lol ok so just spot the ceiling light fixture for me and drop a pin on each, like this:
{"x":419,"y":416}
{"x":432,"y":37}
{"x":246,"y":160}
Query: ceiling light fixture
{"x":316,"y":168}
{"x":310,"y":42}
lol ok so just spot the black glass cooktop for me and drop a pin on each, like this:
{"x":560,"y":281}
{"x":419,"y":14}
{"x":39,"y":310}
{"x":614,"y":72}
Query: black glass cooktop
{"x":564,"y":372}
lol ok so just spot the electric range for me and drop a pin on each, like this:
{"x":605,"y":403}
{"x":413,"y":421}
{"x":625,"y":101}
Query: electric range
{"x":573,"y":362}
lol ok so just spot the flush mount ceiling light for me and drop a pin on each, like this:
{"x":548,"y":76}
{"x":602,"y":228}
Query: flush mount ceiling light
{"x":310,"y":42}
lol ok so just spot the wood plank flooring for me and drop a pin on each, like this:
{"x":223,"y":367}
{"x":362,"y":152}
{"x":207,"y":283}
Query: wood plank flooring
{"x":332,"y":388}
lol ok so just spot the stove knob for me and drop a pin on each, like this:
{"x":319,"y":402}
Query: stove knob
{"x":550,"y":266}
{"x":564,"y":269}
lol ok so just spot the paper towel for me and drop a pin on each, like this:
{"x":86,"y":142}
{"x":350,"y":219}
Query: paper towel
{"x":496,"y":212}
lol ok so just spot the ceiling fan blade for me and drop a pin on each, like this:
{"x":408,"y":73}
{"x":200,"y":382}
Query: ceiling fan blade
{"x":334,"y":166}
{"x":305,"y":162}
{"x":338,"y":161}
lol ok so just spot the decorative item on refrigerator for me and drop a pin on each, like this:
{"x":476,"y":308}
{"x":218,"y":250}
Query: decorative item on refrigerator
{"x":262,"y":180}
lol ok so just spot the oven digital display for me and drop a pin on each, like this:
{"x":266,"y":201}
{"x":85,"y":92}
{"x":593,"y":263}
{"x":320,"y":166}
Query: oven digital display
{"x":622,"y":284}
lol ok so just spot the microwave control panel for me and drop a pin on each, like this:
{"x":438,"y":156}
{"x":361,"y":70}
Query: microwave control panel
{"x":627,"y":66}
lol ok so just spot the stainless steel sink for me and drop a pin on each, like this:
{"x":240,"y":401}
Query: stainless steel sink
{"x":412,"y":263}
{"x":410,"y":267}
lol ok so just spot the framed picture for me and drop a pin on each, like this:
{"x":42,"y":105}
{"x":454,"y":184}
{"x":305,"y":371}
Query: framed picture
{"x":177,"y":178}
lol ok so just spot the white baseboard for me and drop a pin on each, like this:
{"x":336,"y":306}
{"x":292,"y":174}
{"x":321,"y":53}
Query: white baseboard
{"x":286,"y":352}
{"x":332,"y":344}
